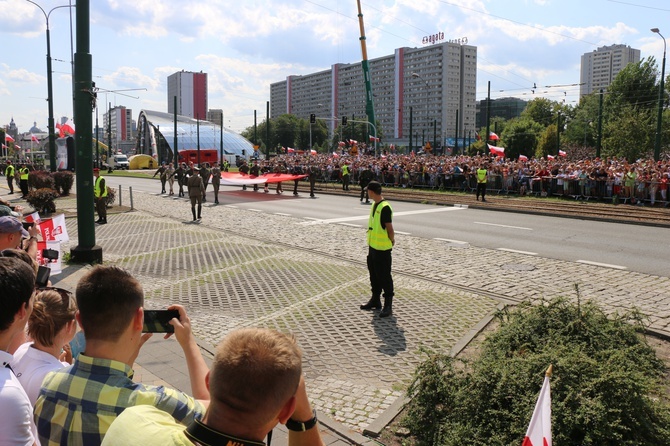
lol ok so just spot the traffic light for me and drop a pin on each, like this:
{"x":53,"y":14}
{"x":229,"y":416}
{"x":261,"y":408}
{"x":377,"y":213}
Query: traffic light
{"x":344,"y":120}
{"x":312,"y":118}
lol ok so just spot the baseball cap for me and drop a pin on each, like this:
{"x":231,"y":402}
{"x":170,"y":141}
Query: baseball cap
{"x":95,"y":169}
{"x":7,"y":211}
{"x":375,"y":187}
{"x":9,"y":225}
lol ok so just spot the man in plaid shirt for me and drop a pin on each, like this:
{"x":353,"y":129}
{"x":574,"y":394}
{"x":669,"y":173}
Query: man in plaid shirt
{"x":78,"y":403}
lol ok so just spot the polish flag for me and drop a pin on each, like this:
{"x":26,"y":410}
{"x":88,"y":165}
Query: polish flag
{"x":290,"y":150}
{"x":8,"y":138}
{"x":493,"y":137}
{"x":68,"y":127}
{"x":550,"y":157}
{"x":54,"y":229}
{"x":341,"y":144}
{"x":373,"y":139}
{"x":56,"y":265}
{"x":34,"y":138}
{"x":352,"y":142}
{"x":562,"y":153}
{"x":477,"y":137}
{"x":523,"y":158}
{"x":33,"y":218}
{"x":497,"y":151}
{"x":60,"y":130}
{"x":312,"y":152}
{"x":539,"y":430}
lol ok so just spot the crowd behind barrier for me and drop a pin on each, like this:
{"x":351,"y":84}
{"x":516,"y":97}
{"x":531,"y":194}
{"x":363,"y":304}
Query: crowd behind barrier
{"x":606,"y":179}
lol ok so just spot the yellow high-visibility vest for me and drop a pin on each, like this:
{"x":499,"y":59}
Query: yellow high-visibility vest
{"x":378,"y":238}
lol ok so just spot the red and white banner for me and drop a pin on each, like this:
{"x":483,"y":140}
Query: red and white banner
{"x":54,"y":229}
{"x":493,"y":137}
{"x":56,"y":265}
{"x":523,"y":158}
{"x":68,"y":127}
{"x":33,"y":218}
{"x":8,"y":138}
{"x":497,"y":151}
{"x":312,"y":152}
{"x":562,"y":153}
{"x":290,"y":150}
{"x":240,"y":179}
{"x":373,"y":139}
{"x":551,"y":157}
{"x":34,"y":138}
{"x":539,"y":430}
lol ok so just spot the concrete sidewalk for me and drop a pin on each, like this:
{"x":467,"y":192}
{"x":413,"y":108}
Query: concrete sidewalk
{"x":241,"y":268}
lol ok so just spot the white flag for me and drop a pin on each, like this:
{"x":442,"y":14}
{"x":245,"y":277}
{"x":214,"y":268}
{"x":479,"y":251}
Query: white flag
{"x":539,"y":430}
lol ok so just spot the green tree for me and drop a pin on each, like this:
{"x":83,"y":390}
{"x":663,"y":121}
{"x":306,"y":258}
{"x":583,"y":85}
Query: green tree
{"x":629,"y":135}
{"x":521,"y":137}
{"x":541,"y":110}
{"x":547,"y":142}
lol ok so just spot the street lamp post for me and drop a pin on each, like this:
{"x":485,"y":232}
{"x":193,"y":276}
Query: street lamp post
{"x":50,"y":97}
{"x":657,"y":146}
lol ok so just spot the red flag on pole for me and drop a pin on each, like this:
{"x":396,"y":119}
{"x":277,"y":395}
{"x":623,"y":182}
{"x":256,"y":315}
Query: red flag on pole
{"x":539,"y":430}
{"x":493,"y":137}
{"x":497,"y":151}
{"x":523,"y":158}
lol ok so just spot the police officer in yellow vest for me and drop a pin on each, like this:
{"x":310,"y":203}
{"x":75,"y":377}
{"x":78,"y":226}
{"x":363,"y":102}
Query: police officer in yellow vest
{"x":345,"y":176}
{"x":482,"y":178}
{"x":381,"y":238}
{"x":23,"y":180}
{"x":9,"y":174}
{"x":100,"y":194}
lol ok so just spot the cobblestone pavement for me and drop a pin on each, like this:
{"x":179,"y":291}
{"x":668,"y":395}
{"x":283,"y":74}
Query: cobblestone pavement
{"x":241,"y":268}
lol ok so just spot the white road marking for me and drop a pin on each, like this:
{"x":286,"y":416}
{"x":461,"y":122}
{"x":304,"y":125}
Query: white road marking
{"x":517,"y":251}
{"x":254,"y":210}
{"x":604,"y":265}
{"x":231,"y":206}
{"x":459,"y":242}
{"x":502,"y":226}
{"x":366,"y":216}
{"x":350,"y":224}
{"x":403,"y":233}
{"x":280,"y":213}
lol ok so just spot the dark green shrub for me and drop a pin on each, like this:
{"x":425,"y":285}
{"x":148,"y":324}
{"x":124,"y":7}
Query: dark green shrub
{"x":63,"y":182}
{"x":111,"y":197}
{"x":40,"y":179}
{"x":42,"y":200}
{"x":606,"y":387}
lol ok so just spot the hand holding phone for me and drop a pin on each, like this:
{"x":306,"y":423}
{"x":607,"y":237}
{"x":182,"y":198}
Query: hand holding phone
{"x":42,"y":277}
{"x":158,"y":321}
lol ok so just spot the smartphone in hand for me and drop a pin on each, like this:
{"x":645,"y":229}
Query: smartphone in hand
{"x":42,"y":278}
{"x":158,"y":321}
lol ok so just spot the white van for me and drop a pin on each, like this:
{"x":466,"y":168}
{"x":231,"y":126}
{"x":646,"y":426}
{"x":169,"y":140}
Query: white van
{"x":119,"y":161}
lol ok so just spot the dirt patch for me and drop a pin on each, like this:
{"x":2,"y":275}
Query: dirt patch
{"x":393,"y":435}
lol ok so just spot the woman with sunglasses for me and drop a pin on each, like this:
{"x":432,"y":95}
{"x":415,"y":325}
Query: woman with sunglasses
{"x":51,"y":327}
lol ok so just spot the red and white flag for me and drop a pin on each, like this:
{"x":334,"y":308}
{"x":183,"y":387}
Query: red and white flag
{"x":290,"y":150}
{"x":539,"y":430}
{"x":54,"y":229}
{"x":34,"y":138}
{"x":352,"y":142}
{"x":33,"y":218}
{"x":562,"y":153}
{"x":56,"y":265}
{"x":551,"y":157}
{"x":497,"y":151}
{"x":477,"y":137}
{"x":68,"y":127}
{"x":373,"y":139}
{"x":493,"y":137}
{"x":312,"y":152}
{"x":8,"y":138}
{"x":523,"y":158}
{"x":336,"y":155}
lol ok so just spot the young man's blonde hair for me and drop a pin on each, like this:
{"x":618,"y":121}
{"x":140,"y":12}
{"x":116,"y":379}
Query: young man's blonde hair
{"x":255,"y":372}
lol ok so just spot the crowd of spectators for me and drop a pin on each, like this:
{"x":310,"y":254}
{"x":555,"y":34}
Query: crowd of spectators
{"x":642,"y":181}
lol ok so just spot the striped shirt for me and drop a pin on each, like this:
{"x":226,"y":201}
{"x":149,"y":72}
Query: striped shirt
{"x":78,"y":403}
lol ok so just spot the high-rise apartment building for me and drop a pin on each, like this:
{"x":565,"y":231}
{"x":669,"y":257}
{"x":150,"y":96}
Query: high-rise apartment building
{"x":215,"y":116}
{"x":191,"y":92}
{"x":600,"y":67}
{"x":437,"y":83}
{"x":118,"y":125}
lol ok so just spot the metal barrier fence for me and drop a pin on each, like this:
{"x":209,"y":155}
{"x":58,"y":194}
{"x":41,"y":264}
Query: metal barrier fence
{"x":607,"y":189}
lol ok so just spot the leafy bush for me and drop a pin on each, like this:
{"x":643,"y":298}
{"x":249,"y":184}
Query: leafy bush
{"x":40,"y":179}
{"x":606,"y":387}
{"x":63,"y":182}
{"x":42,"y":200}
{"x":111,"y":197}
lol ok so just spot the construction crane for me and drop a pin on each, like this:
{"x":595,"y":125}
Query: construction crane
{"x":369,"y":104}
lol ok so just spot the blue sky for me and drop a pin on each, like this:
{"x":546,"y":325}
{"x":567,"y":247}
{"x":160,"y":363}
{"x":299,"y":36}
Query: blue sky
{"x":246,"y":45}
